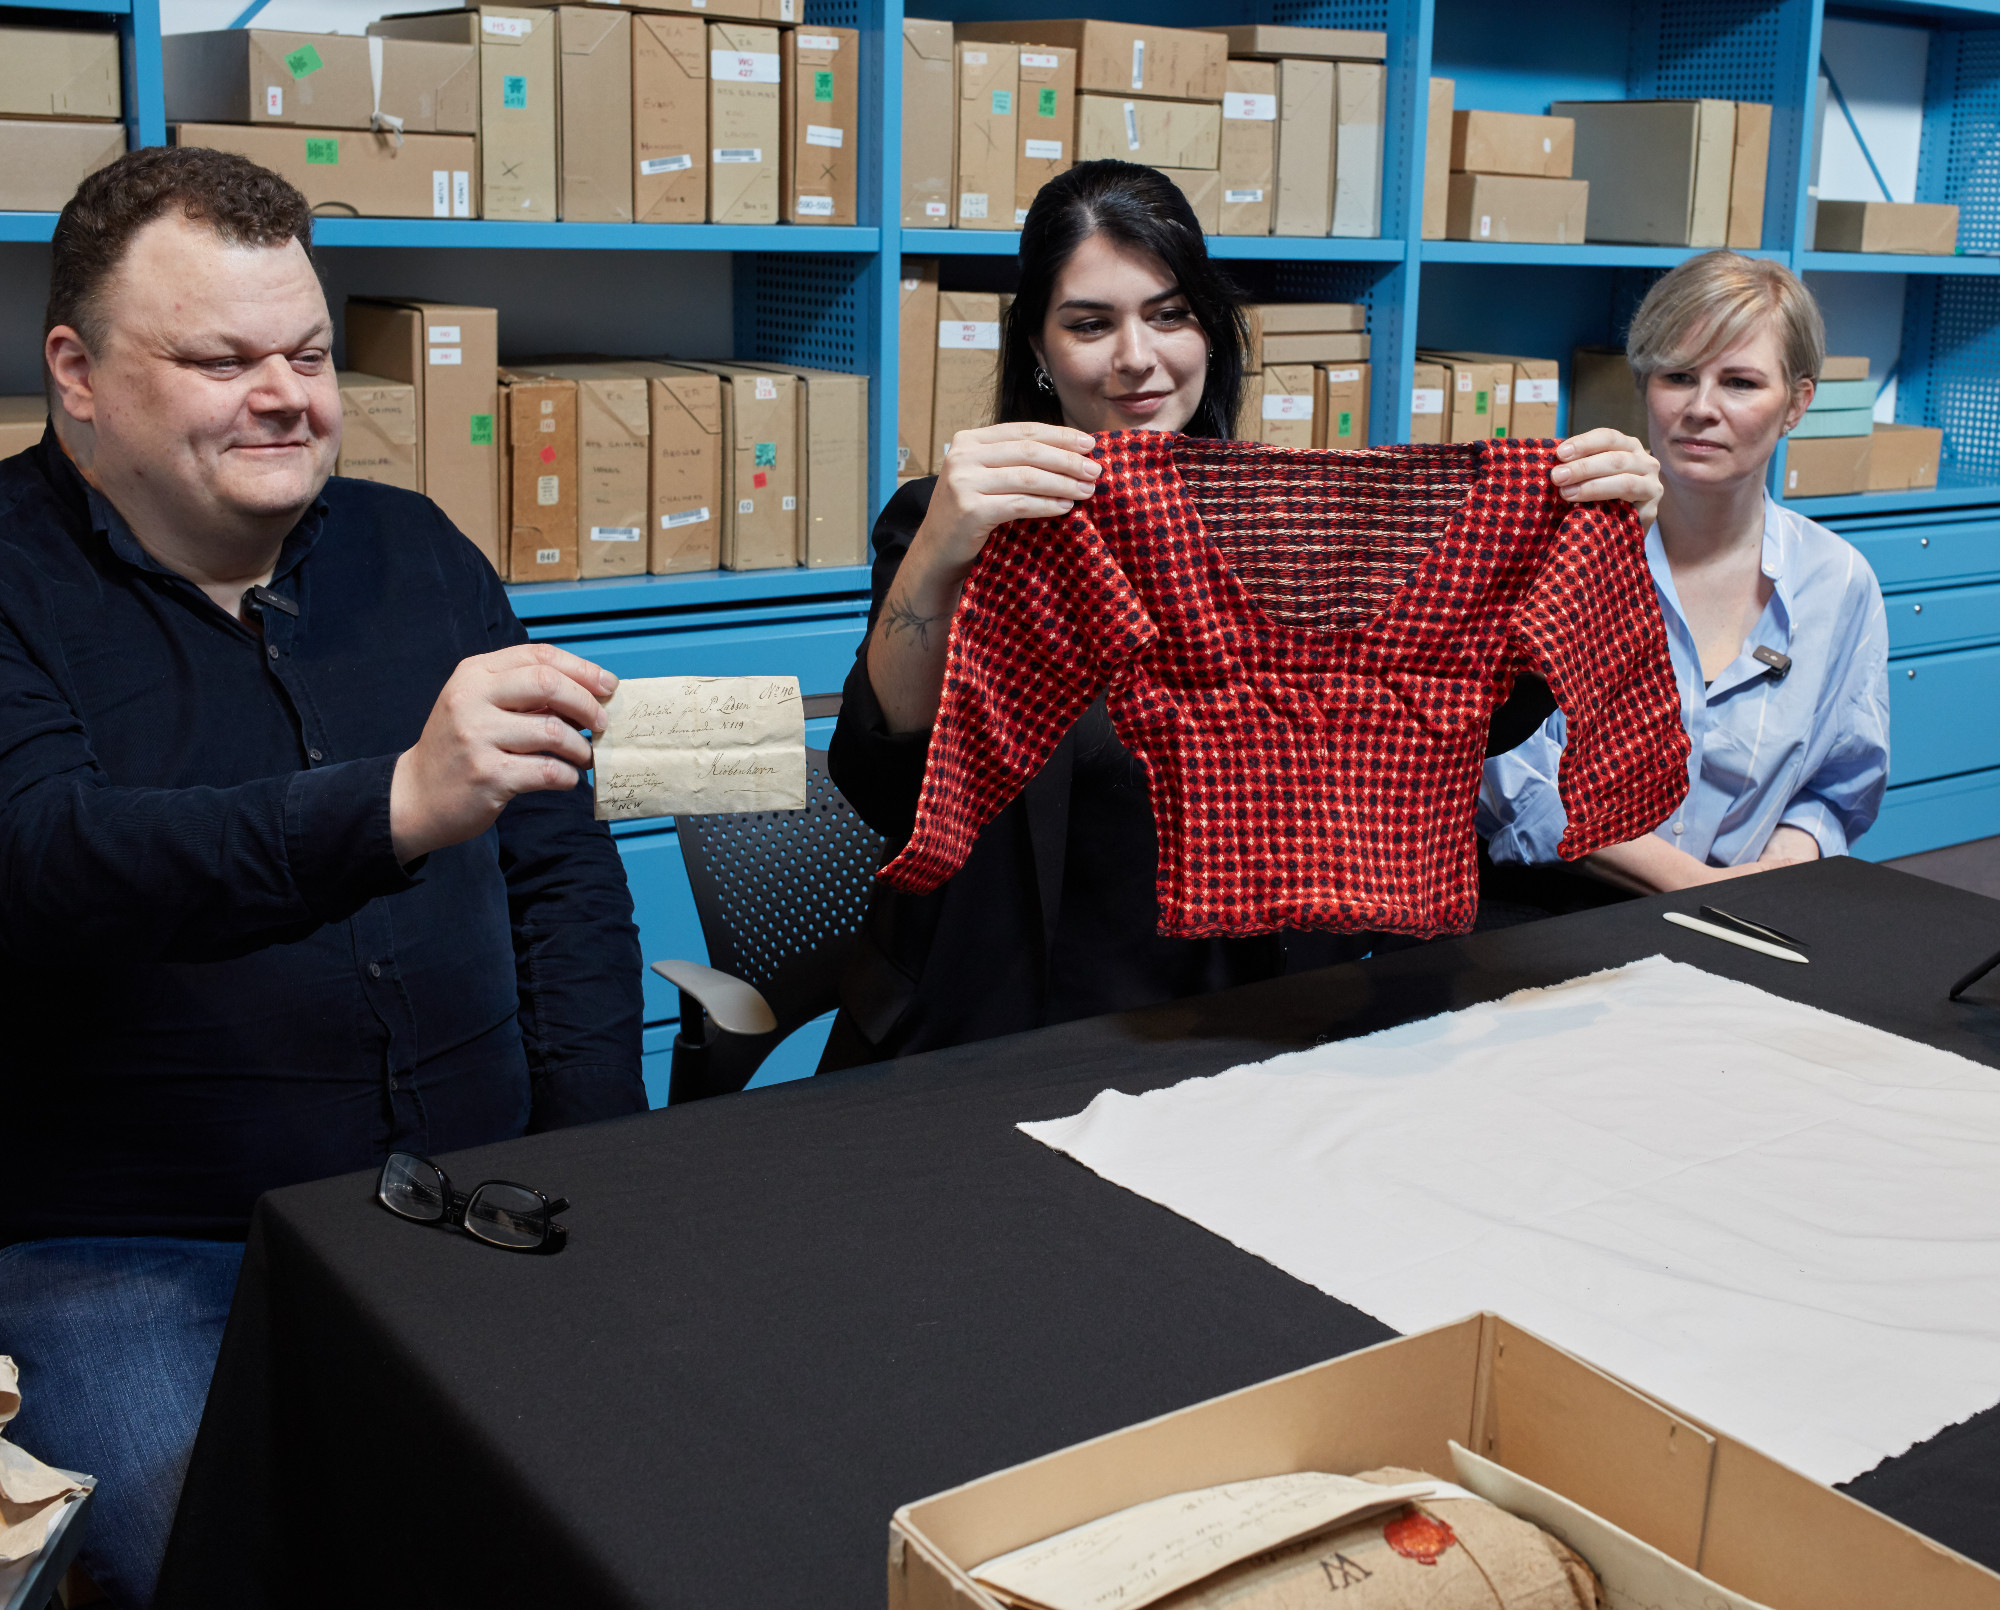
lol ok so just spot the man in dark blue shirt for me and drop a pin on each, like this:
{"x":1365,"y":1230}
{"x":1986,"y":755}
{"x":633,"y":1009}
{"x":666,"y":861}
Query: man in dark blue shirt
{"x":294,"y":869}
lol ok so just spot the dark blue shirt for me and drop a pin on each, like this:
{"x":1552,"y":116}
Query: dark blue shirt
{"x":215,"y":978}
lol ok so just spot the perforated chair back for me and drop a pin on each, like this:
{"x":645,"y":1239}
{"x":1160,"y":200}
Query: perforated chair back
{"x":780,"y":895}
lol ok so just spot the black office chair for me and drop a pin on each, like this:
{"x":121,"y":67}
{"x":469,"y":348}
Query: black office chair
{"x":781,"y":895}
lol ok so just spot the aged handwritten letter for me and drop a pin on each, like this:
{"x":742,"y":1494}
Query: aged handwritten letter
{"x":694,"y":745}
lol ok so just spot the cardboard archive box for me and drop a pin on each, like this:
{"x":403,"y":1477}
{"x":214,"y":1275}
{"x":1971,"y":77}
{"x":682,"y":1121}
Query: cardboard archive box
{"x":1287,"y":406}
{"x":1660,"y":169}
{"x":1340,"y":405}
{"x":1201,"y":188}
{"x":968,"y":367}
{"x":817,"y":130}
{"x":517,"y":101}
{"x":684,"y":473}
{"x":1273,"y":41}
{"x":378,"y":430}
{"x":22,"y":421}
{"x":355,"y":173}
{"x":761,"y":480}
{"x":261,"y":75}
{"x":538,"y":476}
{"x":431,"y":84}
{"x":1827,"y":466}
{"x":1526,"y":392}
{"x":1843,"y":368}
{"x":1314,"y":346}
{"x":1157,"y":134}
{"x":1119,"y":58}
{"x":450,"y":354}
{"x":1602,"y":392}
{"x":1748,"y":173}
{"x":1305,"y":147}
{"x":930,"y":124}
{"x":1512,"y":142}
{"x":1469,"y":386}
{"x":744,"y":123}
{"x":1289,"y":319}
{"x":594,"y":62}
{"x":1505,"y":207}
{"x":613,"y":459}
{"x":69,"y":73}
{"x":1249,"y":148}
{"x":989,"y":82}
{"x":1426,"y":402}
{"x":1047,"y":128}
{"x":43,"y":161}
{"x":1691,"y":1491}
{"x":833,"y":465}
{"x":1437,"y":157}
{"x":916,"y":364}
{"x":1928,"y":229}
{"x":1359,"y":101}
{"x":1904,"y":456}
{"x":669,"y":154}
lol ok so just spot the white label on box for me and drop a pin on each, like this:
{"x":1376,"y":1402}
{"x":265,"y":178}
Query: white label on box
{"x":1043,"y":150}
{"x":685,"y":517}
{"x":619,"y":533}
{"x":1237,"y":198}
{"x":1279,"y":406}
{"x":902,"y":457}
{"x":815,"y":206}
{"x":1138,"y":64}
{"x":767,"y":389}
{"x":788,"y":11}
{"x":1427,"y":400}
{"x":820,"y":134}
{"x":548,"y":426}
{"x":444,"y":335}
{"x":1250,"y":108}
{"x":972,"y":204}
{"x":548,"y":556}
{"x":549,"y":407}
{"x":1536,"y":391}
{"x":507,"y":27}
{"x":440,"y":192}
{"x":1464,"y":380}
{"x":1342,"y":377}
{"x":936,"y":209}
{"x":1791,"y":483}
{"x":1036,"y":58}
{"x":819,"y":41}
{"x":744,"y":66}
{"x":548,"y":493}
{"x":1020,"y":216}
{"x":975,"y":58}
{"x":657,"y":165}
{"x":790,"y":504}
{"x":1485,"y":225}
{"x":446,"y":357}
{"x":274,"y":100}
{"x":1131,"y":126}
{"x":968,"y":337}
{"x":1548,"y":146}
{"x":746,"y":506}
{"x":739,"y":153}
{"x":699,"y":5}
{"x":461,"y":192}
{"x":1499,"y":394}
{"x":910,"y":285}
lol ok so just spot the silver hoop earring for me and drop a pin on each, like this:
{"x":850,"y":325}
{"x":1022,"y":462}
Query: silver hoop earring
{"x":1043,"y":382}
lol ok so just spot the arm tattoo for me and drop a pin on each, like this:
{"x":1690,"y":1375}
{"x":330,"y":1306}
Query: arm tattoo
{"x":897,"y":616}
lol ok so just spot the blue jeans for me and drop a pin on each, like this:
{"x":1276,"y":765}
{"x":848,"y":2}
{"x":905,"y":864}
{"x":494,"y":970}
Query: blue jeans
{"x":116,"y":1340}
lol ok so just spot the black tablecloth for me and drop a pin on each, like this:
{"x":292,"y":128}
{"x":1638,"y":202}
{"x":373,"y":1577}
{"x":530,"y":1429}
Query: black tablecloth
{"x":783,"y":1314}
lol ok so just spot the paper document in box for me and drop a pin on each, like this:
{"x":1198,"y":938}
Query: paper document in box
{"x":696,"y":745}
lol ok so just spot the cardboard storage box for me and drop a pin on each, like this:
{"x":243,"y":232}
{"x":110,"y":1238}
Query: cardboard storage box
{"x":669,"y":119}
{"x":22,"y":421}
{"x":538,"y":476}
{"x":817,"y":137}
{"x":1504,"y":207}
{"x":613,"y":459}
{"x":1047,"y":127}
{"x":1748,"y":173}
{"x":1526,"y":393}
{"x":1249,"y":148}
{"x":1827,"y":466}
{"x":684,"y":475}
{"x":1340,"y":405}
{"x":1426,"y":402}
{"x":43,"y":161}
{"x":1928,"y":229}
{"x":744,"y":123}
{"x":594,"y":62}
{"x":1287,"y":406}
{"x":378,"y":430}
{"x":450,"y":354}
{"x":989,"y":81}
{"x":1271,"y":41}
{"x":930,"y":124}
{"x":1357,"y":154}
{"x":1660,"y":170}
{"x":432,"y":85}
{"x":761,"y":461}
{"x":1688,"y":1489}
{"x":1904,"y":456}
{"x":1602,"y":393}
{"x":1158,"y":134}
{"x":261,"y":75}
{"x":1468,"y":394}
{"x":1305,"y":147}
{"x":916,"y":364}
{"x":1202,"y":188}
{"x":968,"y":367}
{"x":1512,"y":142}
{"x":1121,"y":58}
{"x":351,"y":173}
{"x":833,"y":465}
{"x":1314,"y":346}
{"x":517,"y":101}
{"x":1437,"y":158}
{"x":60,"y":72}
{"x":1838,"y":368}
{"x":1299,"y":318}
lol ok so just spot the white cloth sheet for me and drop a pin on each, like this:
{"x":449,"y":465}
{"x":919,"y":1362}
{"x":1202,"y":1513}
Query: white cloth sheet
{"x":1782,"y":1222}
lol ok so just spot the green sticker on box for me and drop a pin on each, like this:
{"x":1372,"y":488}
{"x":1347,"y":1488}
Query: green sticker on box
{"x":482,"y":430}
{"x":1046,"y":105}
{"x":1479,"y":402}
{"x":304,"y":60}
{"x":1346,"y":423}
{"x":767,"y":455}
{"x":1003,"y":102}
{"x":1500,"y":431}
{"x":326,"y":153}
{"x":822,"y":85}
{"x":514,"y":92}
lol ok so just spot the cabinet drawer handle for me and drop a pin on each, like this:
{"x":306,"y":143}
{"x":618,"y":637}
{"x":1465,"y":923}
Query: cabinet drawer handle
{"x":1924,"y":541}
{"x":1913,"y":676}
{"x":1919,"y":608}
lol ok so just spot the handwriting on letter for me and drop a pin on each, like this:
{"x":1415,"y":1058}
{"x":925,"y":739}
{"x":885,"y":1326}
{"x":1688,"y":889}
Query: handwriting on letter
{"x":694,"y":745}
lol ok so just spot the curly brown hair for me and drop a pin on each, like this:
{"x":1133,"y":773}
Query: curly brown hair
{"x":243,"y":203}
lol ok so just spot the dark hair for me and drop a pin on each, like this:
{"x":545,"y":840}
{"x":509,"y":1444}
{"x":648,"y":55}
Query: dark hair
{"x":243,"y":203}
{"x":1143,"y":209}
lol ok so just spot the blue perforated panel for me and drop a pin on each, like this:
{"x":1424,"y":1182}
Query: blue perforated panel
{"x":833,"y":13}
{"x":1960,"y":159}
{"x":796,"y":308}
{"x":1950,"y":372}
{"x":1684,"y":48}
{"x":1332,"y":13}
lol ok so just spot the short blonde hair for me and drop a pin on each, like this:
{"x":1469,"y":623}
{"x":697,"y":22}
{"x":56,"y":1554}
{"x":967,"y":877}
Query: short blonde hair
{"x":1709,"y":303}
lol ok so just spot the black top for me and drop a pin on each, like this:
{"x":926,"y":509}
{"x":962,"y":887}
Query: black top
{"x":218,"y":979}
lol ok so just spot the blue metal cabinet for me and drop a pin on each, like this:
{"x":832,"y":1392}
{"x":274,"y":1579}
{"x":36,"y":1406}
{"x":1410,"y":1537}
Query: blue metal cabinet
{"x":1935,"y":552}
{"x":1942,"y":714}
{"x":1943,"y":618}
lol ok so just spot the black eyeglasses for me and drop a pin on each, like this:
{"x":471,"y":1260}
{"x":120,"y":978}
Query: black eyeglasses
{"x":498,"y":1212}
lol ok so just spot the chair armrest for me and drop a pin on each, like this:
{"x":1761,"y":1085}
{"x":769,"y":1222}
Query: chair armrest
{"x":732,"y":1005}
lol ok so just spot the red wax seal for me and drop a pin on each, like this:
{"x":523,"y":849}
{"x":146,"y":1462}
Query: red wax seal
{"x":1417,"y":1536}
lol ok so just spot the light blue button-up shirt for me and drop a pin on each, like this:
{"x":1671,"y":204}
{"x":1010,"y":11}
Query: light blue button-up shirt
{"x":1809,"y":750}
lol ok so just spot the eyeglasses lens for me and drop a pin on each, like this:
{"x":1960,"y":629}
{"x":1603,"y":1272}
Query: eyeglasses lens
{"x":412,"y":1188}
{"x":507,"y":1216}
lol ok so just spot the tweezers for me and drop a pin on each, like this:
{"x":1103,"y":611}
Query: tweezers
{"x":1756,"y":930}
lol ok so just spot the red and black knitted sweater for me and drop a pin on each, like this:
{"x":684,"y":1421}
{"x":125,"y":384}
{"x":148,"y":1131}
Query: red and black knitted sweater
{"x":1303,"y":650}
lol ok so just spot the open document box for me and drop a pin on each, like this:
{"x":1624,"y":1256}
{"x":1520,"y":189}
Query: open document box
{"x":1701,"y":1497}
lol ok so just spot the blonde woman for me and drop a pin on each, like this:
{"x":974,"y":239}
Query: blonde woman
{"x":1776,"y":626}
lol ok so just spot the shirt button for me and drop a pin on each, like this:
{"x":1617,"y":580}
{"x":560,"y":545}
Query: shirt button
{"x":271,"y":649}
{"x":375,"y":968}
{"x":1679,"y":828}
{"x":314,"y":754}
{"x":392,"y":1081}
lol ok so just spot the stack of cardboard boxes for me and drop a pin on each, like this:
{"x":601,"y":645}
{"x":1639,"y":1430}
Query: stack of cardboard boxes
{"x":1838,"y":448}
{"x":585,"y":113}
{"x":1510,"y":180}
{"x":60,"y":105}
{"x":1306,"y":375}
{"x":950,"y":368}
{"x":1474,"y":396}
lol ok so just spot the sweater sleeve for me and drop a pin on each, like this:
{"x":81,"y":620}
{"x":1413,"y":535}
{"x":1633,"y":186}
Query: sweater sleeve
{"x":1590,"y":626}
{"x":1046,"y":620}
